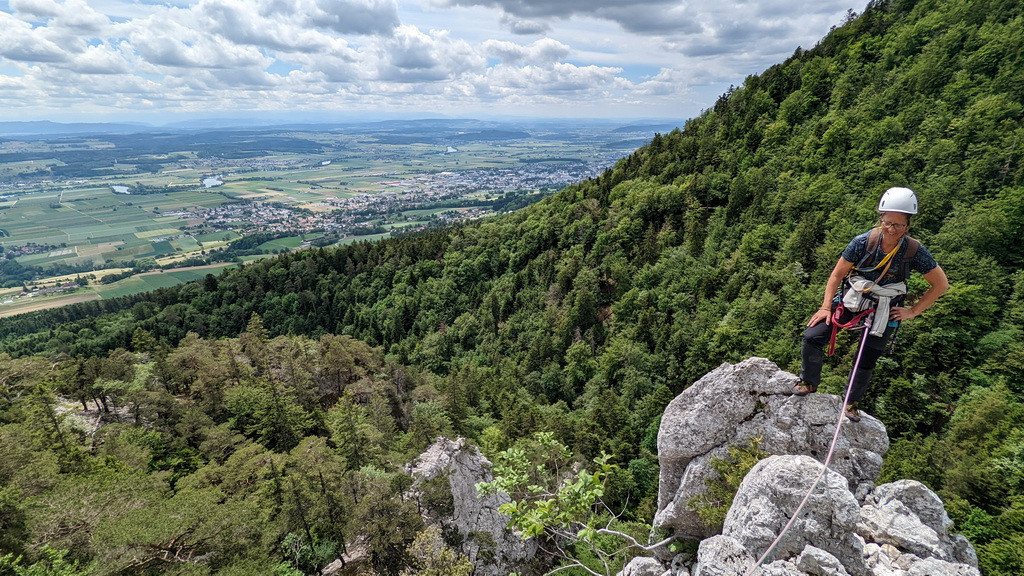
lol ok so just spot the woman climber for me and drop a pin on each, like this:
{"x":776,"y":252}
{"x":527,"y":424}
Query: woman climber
{"x":873,"y":271}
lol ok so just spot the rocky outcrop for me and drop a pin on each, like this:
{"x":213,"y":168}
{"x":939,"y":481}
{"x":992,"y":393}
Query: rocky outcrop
{"x":847,"y":527}
{"x":493,"y":549}
{"x":642,"y":566}
{"x":907,"y":516}
{"x":735,"y":404}
{"x":901,"y":529}
{"x":770,"y":493}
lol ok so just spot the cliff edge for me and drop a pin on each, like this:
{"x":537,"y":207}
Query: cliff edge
{"x":848,"y":527}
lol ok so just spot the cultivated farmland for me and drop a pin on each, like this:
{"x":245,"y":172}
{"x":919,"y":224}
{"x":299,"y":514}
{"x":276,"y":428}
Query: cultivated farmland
{"x":90,"y":206}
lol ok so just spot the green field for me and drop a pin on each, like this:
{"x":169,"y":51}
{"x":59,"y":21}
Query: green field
{"x":10,"y":304}
{"x":287,"y":243}
{"x":154,"y":280}
{"x":82,"y":223}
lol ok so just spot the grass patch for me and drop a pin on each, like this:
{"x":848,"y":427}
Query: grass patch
{"x":287,"y":243}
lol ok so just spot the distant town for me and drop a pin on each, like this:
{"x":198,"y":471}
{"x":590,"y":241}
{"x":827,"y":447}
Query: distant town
{"x":81,"y":210}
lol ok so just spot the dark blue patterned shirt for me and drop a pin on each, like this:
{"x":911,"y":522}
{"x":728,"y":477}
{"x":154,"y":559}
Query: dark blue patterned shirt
{"x":922,"y":262}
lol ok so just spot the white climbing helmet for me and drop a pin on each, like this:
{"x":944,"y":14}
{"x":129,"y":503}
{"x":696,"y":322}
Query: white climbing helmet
{"x":898,"y":199}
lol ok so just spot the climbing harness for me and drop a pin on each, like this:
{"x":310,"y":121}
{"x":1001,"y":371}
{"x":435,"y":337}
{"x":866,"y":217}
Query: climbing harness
{"x":874,"y":240}
{"x":831,"y":449}
{"x":836,"y":324}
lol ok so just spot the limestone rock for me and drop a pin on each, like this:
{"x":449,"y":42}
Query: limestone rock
{"x":818,"y":562}
{"x":936,"y":567}
{"x":352,"y":562}
{"x":722,"y":556}
{"x":734,"y":404}
{"x":642,"y":566}
{"x":780,"y":568}
{"x":848,"y":526}
{"x":773,"y":490}
{"x":681,"y":564}
{"x":907,"y":517}
{"x":493,"y":549}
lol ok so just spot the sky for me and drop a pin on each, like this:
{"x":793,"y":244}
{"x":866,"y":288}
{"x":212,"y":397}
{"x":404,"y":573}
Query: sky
{"x":159,"y":62}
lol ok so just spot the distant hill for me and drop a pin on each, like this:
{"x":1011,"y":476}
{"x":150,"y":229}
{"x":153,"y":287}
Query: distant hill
{"x":651,"y":128}
{"x":47,"y":128}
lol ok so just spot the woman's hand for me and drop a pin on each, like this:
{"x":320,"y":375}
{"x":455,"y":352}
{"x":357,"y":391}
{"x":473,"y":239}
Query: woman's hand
{"x":821,"y":315}
{"x":900,"y":314}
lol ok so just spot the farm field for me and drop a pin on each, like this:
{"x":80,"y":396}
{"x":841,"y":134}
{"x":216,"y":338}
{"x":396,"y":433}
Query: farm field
{"x":11,"y":303}
{"x":86,"y":204}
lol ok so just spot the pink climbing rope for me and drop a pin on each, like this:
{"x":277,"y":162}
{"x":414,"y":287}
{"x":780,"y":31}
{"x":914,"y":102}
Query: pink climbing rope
{"x":831,"y":451}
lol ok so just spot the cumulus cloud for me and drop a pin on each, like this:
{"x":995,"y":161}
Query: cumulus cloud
{"x":36,"y":8}
{"x":523,"y":26}
{"x":343,"y":16}
{"x":728,"y":30}
{"x":663,"y":19}
{"x":665,"y":82}
{"x":630,"y":15}
{"x":411,"y":55}
{"x":558,"y":80}
{"x":171,"y":39}
{"x":22,"y":43}
{"x":237,"y":22}
{"x":439,"y":54}
{"x":545,"y":50}
{"x":100,"y":59}
{"x":688,"y":24}
{"x":75,"y":15}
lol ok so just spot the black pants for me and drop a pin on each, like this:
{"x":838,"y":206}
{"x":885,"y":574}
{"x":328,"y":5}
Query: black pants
{"x":816,"y":338}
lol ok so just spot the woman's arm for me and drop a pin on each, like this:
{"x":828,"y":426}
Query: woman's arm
{"x":938,"y":285}
{"x":842,"y":268}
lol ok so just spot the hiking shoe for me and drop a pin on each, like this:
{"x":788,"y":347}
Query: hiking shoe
{"x":803,"y":389}
{"x":852,"y":413}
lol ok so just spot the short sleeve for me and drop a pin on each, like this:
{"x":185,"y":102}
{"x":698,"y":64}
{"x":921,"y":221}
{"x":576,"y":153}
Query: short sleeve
{"x":923,"y":261}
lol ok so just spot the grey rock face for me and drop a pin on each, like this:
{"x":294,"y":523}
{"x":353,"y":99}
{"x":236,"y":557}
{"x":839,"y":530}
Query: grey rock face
{"x":642,"y":566}
{"x":722,"y":556}
{"x":819,"y":563}
{"x":848,"y":527}
{"x":935,"y":567}
{"x":780,"y":568}
{"x":773,"y":490}
{"x":734,"y":404}
{"x":908,"y":516}
{"x":493,"y":549}
{"x":830,"y":536}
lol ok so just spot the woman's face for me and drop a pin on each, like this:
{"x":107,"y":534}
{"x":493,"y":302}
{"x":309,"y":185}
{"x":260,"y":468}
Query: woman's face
{"x":894,"y":224}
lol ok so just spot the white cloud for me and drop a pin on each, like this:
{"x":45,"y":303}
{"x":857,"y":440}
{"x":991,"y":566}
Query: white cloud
{"x":546,"y":50}
{"x":642,"y":58}
{"x":100,"y":59}
{"x":21,"y":42}
{"x":414,"y":56}
{"x":237,"y":22}
{"x":550,"y":82}
{"x":73,"y":15}
{"x":170,"y":39}
{"x":523,"y":26}
{"x":355,"y":16}
{"x":36,"y":8}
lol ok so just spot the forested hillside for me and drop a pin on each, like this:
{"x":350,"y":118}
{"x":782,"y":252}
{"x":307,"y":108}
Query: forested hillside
{"x":582,"y":316}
